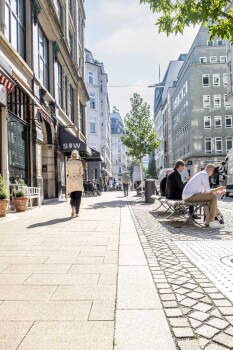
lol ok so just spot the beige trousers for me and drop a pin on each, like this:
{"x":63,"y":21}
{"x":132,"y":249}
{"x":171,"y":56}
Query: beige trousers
{"x":206,"y":197}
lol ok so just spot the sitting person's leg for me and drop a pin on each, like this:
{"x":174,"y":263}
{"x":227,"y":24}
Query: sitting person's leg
{"x":206,"y":197}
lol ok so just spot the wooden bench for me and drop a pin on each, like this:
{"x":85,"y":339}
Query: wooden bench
{"x":180,"y":208}
{"x":31,"y":193}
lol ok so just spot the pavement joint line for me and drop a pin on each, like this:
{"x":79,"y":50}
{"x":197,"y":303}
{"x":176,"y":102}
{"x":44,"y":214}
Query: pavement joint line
{"x":157,"y":239}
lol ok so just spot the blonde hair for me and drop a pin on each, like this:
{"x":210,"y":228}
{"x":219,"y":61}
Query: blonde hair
{"x":74,"y":154}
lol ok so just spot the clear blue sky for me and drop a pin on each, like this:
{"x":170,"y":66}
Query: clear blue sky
{"x":122,"y":35}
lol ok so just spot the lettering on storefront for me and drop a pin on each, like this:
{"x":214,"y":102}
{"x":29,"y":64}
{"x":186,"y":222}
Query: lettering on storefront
{"x":71,"y":145}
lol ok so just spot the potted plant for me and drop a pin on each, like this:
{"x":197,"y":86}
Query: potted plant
{"x":3,"y":197}
{"x":20,"y":201}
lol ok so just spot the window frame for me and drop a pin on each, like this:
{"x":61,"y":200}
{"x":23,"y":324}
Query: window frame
{"x":90,"y":77}
{"x":204,"y":102}
{"x":221,"y":59}
{"x":225,"y":79}
{"x":218,"y":139}
{"x":92,"y":100}
{"x":206,"y":120}
{"x":92,"y":123}
{"x":215,"y":59}
{"x":230,"y":118}
{"x":43,"y":57}
{"x":227,"y":138}
{"x":208,"y":139}
{"x":216,"y":118}
{"x":205,"y":76}
{"x":215,"y":97}
{"x":210,"y":41}
{"x":216,"y":75}
{"x":204,"y":61}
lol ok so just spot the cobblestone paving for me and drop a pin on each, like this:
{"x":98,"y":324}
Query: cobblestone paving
{"x":199,"y":315}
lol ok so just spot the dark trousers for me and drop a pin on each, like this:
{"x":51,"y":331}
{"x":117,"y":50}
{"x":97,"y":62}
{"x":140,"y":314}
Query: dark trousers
{"x":75,"y":200}
{"x":125,"y":188}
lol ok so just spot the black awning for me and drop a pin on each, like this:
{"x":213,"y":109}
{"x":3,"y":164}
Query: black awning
{"x":69,"y":142}
{"x":95,"y":156}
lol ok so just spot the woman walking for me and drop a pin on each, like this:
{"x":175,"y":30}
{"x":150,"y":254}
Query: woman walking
{"x":75,"y":182}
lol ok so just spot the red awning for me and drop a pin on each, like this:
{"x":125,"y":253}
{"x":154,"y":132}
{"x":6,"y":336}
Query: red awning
{"x":44,"y":115}
{"x":6,"y":80}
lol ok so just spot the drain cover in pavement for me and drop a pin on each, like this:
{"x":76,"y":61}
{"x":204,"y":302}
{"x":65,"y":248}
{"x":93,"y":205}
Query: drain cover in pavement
{"x":215,"y":259}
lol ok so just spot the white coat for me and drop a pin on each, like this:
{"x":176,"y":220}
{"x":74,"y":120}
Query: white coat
{"x":74,"y":172}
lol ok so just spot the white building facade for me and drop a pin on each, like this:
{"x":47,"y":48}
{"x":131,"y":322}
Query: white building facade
{"x":98,"y":118}
{"x":119,"y":157}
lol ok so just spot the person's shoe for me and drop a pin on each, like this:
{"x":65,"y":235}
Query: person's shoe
{"x":76,"y":215}
{"x":215,"y":224}
{"x":72,"y":213}
{"x":195,"y":216}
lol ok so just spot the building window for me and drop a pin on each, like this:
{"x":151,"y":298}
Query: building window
{"x":223,"y":59}
{"x":217,"y":101}
{"x":229,"y":143}
{"x":207,"y":122}
{"x":43,"y":51}
{"x":71,"y":43}
{"x":213,"y":59}
{"x":92,"y":127}
{"x":59,"y":11}
{"x":208,"y":146}
{"x":220,"y":42}
{"x":119,"y":170}
{"x":15,"y":24}
{"x":66,"y":94}
{"x":226,"y":103}
{"x":205,"y":80}
{"x":218,"y":144}
{"x":58,"y":83}
{"x":206,"y":101}
{"x":217,"y":122}
{"x":71,"y":104}
{"x":203,"y":59}
{"x":216,"y":79}
{"x":210,"y":43}
{"x":90,"y":78}
{"x":225,"y":79}
{"x":92,"y":100}
{"x":228,"y":121}
{"x":82,"y":118}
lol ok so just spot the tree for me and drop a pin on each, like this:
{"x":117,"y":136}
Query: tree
{"x":151,"y":170}
{"x":175,"y":15}
{"x":140,"y":137}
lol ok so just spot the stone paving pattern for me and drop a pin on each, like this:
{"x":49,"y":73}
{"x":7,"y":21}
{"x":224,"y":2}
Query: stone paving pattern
{"x":199,"y":315}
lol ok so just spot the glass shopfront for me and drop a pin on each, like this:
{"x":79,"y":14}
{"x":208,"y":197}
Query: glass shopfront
{"x":18,"y":116}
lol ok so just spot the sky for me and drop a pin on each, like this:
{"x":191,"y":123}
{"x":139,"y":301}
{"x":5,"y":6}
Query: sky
{"x":122,"y":34}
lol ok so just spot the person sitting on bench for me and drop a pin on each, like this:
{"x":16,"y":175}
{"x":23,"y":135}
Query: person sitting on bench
{"x":163,"y":183}
{"x":198,"y":190}
{"x":175,"y":185}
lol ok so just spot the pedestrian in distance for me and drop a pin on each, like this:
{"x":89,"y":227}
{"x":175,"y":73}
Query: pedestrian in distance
{"x":74,"y":172}
{"x":198,"y":190}
{"x":125,"y":180}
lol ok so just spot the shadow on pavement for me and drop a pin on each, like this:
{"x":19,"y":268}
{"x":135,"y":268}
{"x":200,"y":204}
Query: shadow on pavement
{"x":111,"y":204}
{"x":189,"y":229}
{"x":50,"y":222}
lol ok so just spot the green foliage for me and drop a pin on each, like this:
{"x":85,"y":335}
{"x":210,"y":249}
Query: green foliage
{"x":151,"y":170}
{"x":131,"y":165}
{"x":3,"y":188}
{"x":140,"y":137}
{"x":175,"y":15}
{"x":18,"y":191}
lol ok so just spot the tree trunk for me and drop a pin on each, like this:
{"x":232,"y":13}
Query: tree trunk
{"x":141,"y":175}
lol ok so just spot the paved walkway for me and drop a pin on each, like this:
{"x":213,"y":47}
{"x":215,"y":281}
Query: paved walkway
{"x":67,"y":284}
{"x":119,"y":277}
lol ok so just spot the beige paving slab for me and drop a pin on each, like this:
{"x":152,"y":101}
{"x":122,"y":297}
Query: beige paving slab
{"x":11,"y":279}
{"x":11,"y":334}
{"x":102,"y":310}
{"x":3,"y":267}
{"x":38,"y":268}
{"x":64,"y":242}
{"x":62,"y":279}
{"x":106,"y":278}
{"x":99,"y":292}
{"x":129,"y":238}
{"x":75,"y":260}
{"x":136,"y":289}
{"x":102,"y":269}
{"x":44,"y":310}
{"x":132,"y":255}
{"x":24,"y":292}
{"x":49,"y":253}
{"x":22,"y":260}
{"x":13,"y":253}
{"x":70,"y":336}
{"x":36,"y":248}
{"x":142,"y":329}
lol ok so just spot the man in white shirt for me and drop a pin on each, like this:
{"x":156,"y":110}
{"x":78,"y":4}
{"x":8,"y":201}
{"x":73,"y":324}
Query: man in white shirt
{"x":198,"y":190}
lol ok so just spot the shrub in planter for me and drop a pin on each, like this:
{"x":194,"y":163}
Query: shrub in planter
{"x":3,"y":197}
{"x":20,"y":201}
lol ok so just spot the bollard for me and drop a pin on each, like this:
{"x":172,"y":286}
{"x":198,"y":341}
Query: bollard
{"x":149,"y":190}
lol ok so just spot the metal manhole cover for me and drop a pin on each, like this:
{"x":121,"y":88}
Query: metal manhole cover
{"x":215,"y":259}
{"x":227,"y":260}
